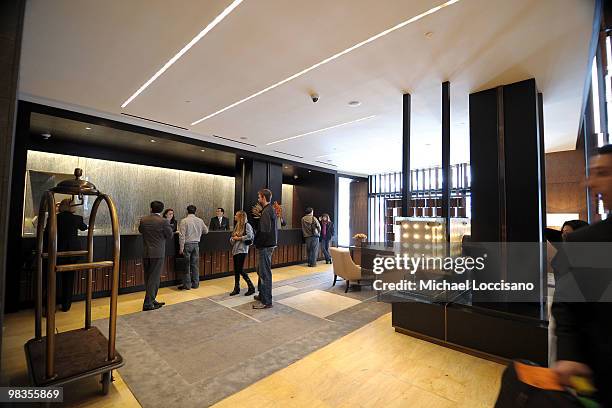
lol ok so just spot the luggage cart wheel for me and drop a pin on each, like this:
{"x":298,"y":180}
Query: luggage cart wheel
{"x":106,"y":380}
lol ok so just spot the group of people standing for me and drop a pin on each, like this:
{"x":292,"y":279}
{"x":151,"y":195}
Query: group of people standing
{"x":315,"y":232}
{"x":158,"y":228}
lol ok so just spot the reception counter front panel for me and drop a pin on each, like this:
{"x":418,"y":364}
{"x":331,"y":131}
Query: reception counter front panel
{"x":215,"y":261}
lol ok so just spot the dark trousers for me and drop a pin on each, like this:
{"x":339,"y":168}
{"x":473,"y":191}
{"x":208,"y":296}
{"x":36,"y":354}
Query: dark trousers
{"x":64,"y":284}
{"x":239,"y":271}
{"x":264,"y":271}
{"x":325,"y":248}
{"x":152,"y":271}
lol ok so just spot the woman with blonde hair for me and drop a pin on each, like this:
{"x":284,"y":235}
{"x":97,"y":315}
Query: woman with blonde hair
{"x":241,"y":239}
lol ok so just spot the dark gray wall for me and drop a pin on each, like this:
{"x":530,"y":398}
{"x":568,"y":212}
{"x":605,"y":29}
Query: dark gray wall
{"x":11,"y":25}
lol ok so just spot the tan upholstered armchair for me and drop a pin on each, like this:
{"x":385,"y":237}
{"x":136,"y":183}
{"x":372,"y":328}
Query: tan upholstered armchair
{"x":345,"y":268}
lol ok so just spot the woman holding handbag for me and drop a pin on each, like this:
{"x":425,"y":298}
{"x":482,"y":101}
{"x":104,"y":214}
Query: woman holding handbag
{"x":241,"y":239}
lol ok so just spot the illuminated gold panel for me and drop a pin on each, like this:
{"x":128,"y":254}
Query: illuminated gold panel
{"x":131,"y":186}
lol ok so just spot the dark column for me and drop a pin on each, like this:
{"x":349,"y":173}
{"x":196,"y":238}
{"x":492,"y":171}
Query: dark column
{"x":11,"y":26}
{"x":275,"y":181}
{"x":508,"y":191}
{"x":406,"y":155}
{"x":253,"y":175}
{"x":446,"y":176}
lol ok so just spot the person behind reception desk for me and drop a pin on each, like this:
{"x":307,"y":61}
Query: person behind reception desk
{"x":311,"y":230}
{"x":169,"y":215}
{"x":265,"y":241}
{"x":155,"y":231}
{"x":327,"y":232}
{"x":583,"y":329}
{"x":191,"y":229}
{"x":241,"y":238}
{"x":220,"y":221}
{"x":68,"y":226}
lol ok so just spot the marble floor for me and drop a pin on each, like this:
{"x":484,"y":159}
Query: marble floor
{"x":371,"y":366}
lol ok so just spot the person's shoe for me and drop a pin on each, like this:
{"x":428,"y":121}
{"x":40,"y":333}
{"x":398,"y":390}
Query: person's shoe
{"x":159,"y":303}
{"x":65,"y":308}
{"x":183,"y":287}
{"x":262,"y":306}
{"x":194,"y":286}
{"x":235,"y":292}
{"x":257,"y":297}
{"x":148,"y":308}
{"x":250,"y":292}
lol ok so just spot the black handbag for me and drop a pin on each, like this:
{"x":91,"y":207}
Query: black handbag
{"x":516,"y":394}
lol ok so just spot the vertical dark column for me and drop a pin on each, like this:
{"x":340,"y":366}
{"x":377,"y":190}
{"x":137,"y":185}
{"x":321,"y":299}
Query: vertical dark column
{"x":239,"y":176}
{"x":11,"y":26}
{"x":484,"y":166}
{"x":275,"y":181}
{"x":522,"y":162}
{"x":406,"y":188}
{"x":446,"y":176}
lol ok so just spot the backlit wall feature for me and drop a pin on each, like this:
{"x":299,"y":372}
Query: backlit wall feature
{"x":131,"y":186}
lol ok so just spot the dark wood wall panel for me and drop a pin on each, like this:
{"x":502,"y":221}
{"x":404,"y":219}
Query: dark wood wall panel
{"x":358,"y":207}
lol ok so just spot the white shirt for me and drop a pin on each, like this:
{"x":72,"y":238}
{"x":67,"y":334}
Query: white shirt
{"x":191,"y":228}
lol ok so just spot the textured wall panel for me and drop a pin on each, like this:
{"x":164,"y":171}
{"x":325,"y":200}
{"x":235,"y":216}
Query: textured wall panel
{"x":133,"y":187}
{"x":287,"y":200}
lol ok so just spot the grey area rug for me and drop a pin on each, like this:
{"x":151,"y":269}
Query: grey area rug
{"x":196,"y":353}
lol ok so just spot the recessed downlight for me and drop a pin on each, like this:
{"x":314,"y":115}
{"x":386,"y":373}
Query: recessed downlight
{"x":329,"y":59}
{"x":202,"y":150}
{"x":87,"y":128}
{"x":183,"y":50}
{"x":153,"y":141}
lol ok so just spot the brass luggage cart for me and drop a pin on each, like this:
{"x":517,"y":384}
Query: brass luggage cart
{"x":57,"y":359}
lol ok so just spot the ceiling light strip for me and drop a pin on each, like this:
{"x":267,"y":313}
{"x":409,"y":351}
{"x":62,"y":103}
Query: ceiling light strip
{"x":333,"y":57}
{"x":321,"y":130}
{"x":186,"y":48}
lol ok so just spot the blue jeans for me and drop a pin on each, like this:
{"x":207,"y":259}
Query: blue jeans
{"x":191,"y":278}
{"x":325,"y":249}
{"x":264,"y":271}
{"x":312,"y":250}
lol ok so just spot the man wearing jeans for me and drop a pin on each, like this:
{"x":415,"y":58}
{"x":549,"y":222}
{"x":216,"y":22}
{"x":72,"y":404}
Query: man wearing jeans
{"x":265,"y":242}
{"x":191,"y":229}
{"x":311,"y":229}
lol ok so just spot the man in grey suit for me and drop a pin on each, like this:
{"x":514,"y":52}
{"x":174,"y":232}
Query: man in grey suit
{"x":155,"y":230}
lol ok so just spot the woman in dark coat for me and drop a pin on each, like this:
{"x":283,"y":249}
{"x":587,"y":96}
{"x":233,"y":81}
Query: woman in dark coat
{"x":327,"y":232}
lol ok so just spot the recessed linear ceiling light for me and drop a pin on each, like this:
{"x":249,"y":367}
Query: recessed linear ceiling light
{"x":321,"y":130}
{"x":333,"y":57}
{"x":186,"y":48}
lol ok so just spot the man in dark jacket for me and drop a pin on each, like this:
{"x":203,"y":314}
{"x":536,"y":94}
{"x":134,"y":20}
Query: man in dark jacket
{"x":265,"y":242}
{"x":220,"y":221}
{"x":155,"y":230}
{"x":584,"y":328}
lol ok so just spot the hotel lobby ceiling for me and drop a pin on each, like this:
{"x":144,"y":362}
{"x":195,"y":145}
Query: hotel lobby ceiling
{"x":91,"y":56}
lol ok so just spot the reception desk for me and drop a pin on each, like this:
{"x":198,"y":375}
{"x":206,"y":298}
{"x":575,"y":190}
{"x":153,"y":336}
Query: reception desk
{"x":215,"y":261}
